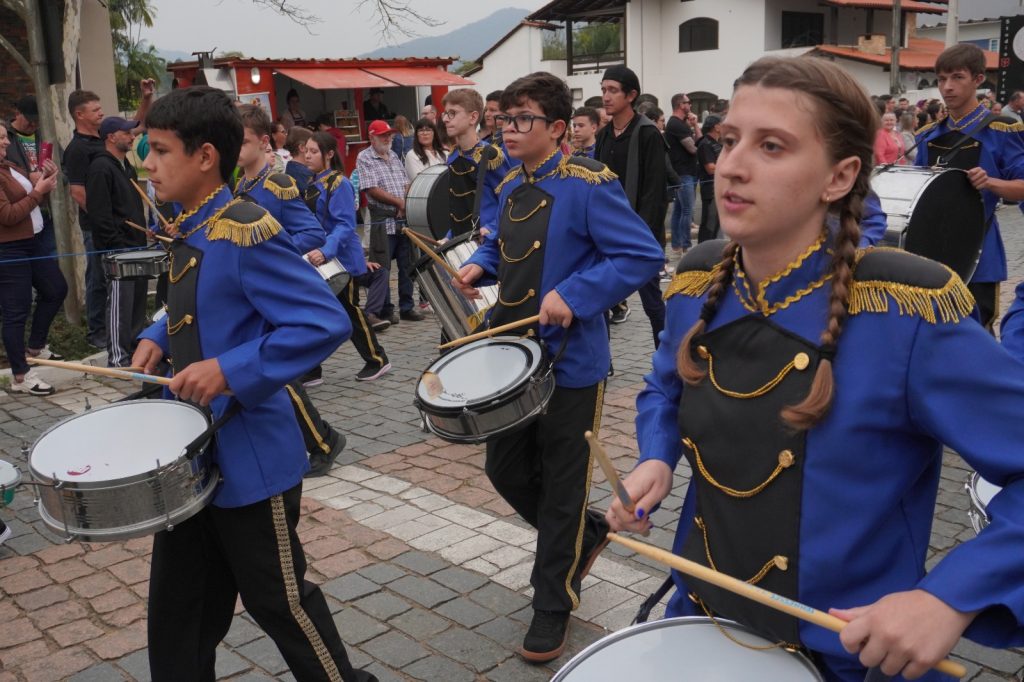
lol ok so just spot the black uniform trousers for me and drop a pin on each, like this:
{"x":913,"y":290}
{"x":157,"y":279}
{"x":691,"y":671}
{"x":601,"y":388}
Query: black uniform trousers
{"x":363,"y":336}
{"x":200,"y":568}
{"x":543,"y":471}
{"x":317,"y":434}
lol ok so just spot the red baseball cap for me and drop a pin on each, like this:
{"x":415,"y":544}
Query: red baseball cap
{"x":380,"y":128}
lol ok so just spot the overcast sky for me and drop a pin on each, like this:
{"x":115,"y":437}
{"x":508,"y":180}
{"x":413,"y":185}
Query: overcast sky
{"x":193,"y":25}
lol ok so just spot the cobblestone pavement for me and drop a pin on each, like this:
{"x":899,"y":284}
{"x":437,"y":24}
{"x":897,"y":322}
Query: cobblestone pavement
{"x":425,"y":568}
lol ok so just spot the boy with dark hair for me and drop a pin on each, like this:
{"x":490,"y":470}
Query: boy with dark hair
{"x":490,"y":133}
{"x":585,"y":123}
{"x":462,"y":111}
{"x":570,"y":246}
{"x":995,"y":165}
{"x":256,"y":318}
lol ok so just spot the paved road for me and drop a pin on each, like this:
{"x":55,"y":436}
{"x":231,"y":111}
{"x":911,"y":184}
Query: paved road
{"x":425,"y":568}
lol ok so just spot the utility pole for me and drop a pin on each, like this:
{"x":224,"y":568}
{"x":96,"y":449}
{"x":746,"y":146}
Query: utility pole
{"x":953,"y":23}
{"x":895,"y":86}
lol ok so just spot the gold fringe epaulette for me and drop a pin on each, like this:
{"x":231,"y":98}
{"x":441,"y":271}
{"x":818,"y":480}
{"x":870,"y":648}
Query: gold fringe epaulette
{"x":690,"y":283}
{"x":493,"y":164}
{"x":287,"y":190}
{"x":336,"y":181}
{"x":512,"y":175}
{"x":1015,"y":127}
{"x":928,"y":126}
{"x":950,"y":303}
{"x":238,"y":223}
{"x":583,"y":168}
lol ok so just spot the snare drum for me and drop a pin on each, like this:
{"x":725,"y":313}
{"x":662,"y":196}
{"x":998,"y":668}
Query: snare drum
{"x":335,"y":274}
{"x":135,"y":264}
{"x":933,"y":212}
{"x":119,"y":471}
{"x":981,"y":493}
{"x":10,"y":477}
{"x":686,"y":649}
{"x":488,"y":388}
{"x":426,"y":203}
{"x":457,"y":315}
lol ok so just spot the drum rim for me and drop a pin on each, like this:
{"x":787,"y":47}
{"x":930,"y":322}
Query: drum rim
{"x":491,"y":401}
{"x":149,"y":255}
{"x":41,"y":477}
{"x":17,"y":474}
{"x":629,"y":630}
{"x":972,"y":491}
{"x":440,"y":251}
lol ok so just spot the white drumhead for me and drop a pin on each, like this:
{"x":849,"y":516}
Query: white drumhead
{"x":690,"y":649}
{"x":150,"y":254}
{"x":481,"y":371}
{"x":9,"y":474}
{"x":117,"y":440}
{"x":985,"y":490}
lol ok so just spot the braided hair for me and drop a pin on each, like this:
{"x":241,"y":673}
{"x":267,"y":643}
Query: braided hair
{"x":847,"y":123}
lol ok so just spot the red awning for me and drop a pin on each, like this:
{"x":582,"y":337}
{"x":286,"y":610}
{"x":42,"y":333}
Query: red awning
{"x":325,"y":78}
{"x":408,"y":75}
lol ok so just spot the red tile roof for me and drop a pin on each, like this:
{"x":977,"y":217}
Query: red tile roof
{"x":921,"y":6}
{"x":919,"y":56}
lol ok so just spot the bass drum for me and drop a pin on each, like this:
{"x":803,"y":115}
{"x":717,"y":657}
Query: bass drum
{"x":426,"y":204}
{"x":933,"y":212}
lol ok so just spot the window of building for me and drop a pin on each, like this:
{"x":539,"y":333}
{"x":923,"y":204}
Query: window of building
{"x":802,"y":29}
{"x":698,"y":34}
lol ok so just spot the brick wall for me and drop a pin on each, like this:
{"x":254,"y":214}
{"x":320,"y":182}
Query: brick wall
{"x":14,"y":82}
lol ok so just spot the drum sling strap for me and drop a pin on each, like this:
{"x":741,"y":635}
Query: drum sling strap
{"x":964,"y":139}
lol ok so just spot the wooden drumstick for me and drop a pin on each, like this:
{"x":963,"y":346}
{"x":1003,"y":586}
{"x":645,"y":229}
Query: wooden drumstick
{"x":127,"y":373}
{"x":609,"y":472}
{"x":426,"y":248}
{"x":429,"y":240}
{"x":168,"y":228}
{"x":755,"y":593}
{"x":166,"y":240}
{"x":490,"y":332}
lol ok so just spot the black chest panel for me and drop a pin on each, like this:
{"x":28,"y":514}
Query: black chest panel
{"x":524,"y":232}
{"x":941,"y":151}
{"x":747,"y":466}
{"x":461,"y":195}
{"x":182,"y":325}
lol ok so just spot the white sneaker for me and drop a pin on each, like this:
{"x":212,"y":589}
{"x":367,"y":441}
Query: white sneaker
{"x":46,"y":354}
{"x":5,"y":533}
{"x":32,"y":385}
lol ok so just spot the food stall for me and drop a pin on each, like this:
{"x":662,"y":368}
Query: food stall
{"x":334,"y":86}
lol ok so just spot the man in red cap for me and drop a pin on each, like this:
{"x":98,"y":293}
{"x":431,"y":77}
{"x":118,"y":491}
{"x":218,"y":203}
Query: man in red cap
{"x":382,"y":176}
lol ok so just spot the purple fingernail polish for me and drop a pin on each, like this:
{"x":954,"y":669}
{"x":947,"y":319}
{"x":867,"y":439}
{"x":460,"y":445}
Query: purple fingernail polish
{"x":640,"y":513}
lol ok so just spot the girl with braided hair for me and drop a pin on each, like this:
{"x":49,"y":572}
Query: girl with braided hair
{"x":811,"y":387}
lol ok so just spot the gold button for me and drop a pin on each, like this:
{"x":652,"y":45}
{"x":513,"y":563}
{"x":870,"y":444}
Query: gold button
{"x":786,"y":459}
{"x":536,"y":244}
{"x":781,"y":562}
{"x":531,"y":293}
{"x":801,"y":361}
{"x":543,"y":203}
{"x":529,"y":332}
{"x":702,"y":351}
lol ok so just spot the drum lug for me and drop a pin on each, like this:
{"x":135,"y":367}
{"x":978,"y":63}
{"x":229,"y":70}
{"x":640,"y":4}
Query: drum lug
{"x":163,"y":495}
{"x":57,"y":486}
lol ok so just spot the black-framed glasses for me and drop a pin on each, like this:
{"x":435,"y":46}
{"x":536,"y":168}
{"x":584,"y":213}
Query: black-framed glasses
{"x":521,"y":123}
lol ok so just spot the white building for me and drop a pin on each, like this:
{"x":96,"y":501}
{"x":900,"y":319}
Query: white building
{"x":701,"y":46}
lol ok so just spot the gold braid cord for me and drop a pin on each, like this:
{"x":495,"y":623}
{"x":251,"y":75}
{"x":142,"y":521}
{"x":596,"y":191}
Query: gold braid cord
{"x":951,"y":303}
{"x":289,"y":191}
{"x":1017,"y":127}
{"x":690,"y":283}
{"x":243,"y":234}
{"x":512,"y":175}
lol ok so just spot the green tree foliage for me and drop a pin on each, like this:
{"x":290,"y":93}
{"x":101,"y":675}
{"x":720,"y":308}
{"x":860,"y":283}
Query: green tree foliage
{"x":587,"y":39}
{"x":135,"y":59}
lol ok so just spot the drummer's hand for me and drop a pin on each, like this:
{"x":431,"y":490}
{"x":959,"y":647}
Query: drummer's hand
{"x":978,"y":177}
{"x":467,"y":275}
{"x":906,"y":632}
{"x":554,"y":310}
{"x":483,"y":232}
{"x":316,"y":257}
{"x":648,"y":484}
{"x":147,"y":355}
{"x":200,"y":382}
{"x":371,"y":266}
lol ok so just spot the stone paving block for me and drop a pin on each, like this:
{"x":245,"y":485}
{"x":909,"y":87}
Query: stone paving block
{"x":58,"y":553}
{"x":332,"y":489}
{"x":466,"y":613}
{"x":498,"y":599}
{"x":395,"y":649}
{"x":136,"y":665}
{"x":18,"y":631}
{"x":443,"y":537}
{"x":60,"y":665}
{"x":515,"y":577}
{"x":107,"y":556}
{"x":506,"y":556}
{"x":600,"y":598}
{"x":263,"y":653}
{"x":356,"y":627}
{"x":26,"y":581}
{"x":61,"y":612}
{"x":119,"y":642}
{"x":516,"y":669}
{"x":229,"y":663}
{"x":503,"y":630}
{"x":382,"y":573}
{"x":459,"y":579}
{"x":481,"y":566}
{"x":431,"y":502}
{"x":103,"y":672}
{"x":382,"y":606}
{"x":74,"y":632}
{"x":470,"y":648}
{"x":122,"y":617}
{"x":41,"y":598}
{"x":242,"y":631}
{"x":365,"y":510}
{"x":19,"y":655}
{"x":393,"y":517}
{"x":617,"y":573}
{"x":340,"y":564}
{"x":387,"y":549}
{"x":420,"y":562}
{"x":386,"y":484}
{"x":470,"y":548}
{"x":349,"y":587}
{"x":464,"y":516}
{"x":355,"y":474}
{"x":119,"y":598}
{"x":510,"y":533}
{"x":422,"y":590}
{"x":1000,"y":660}
{"x":67,"y":570}
{"x":94,"y":585}
{"x":383,"y":673}
{"x":419,"y":623}
{"x":435,"y":668}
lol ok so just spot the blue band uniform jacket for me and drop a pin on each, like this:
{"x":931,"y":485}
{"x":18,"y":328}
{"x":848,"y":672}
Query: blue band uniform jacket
{"x":595,"y":251}
{"x":278,"y":193}
{"x":267,"y":317}
{"x":463,"y":167}
{"x":331,"y":197}
{"x":849,"y":503}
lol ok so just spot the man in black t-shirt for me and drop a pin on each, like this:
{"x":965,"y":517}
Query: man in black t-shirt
{"x":707,"y":157}
{"x":682,"y":138}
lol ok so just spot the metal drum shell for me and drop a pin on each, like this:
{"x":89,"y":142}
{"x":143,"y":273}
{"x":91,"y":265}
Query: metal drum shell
{"x":426,"y":202}
{"x":136,"y":264}
{"x":457,"y":315}
{"x":978,"y":513}
{"x":772,"y":665}
{"x":127,"y":507}
{"x":335,"y":274}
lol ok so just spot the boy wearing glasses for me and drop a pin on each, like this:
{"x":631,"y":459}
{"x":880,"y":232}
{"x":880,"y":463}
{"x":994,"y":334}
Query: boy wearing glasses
{"x":462,"y":112}
{"x":568,"y":247}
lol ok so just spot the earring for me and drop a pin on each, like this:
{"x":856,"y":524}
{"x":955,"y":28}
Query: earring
{"x":828,"y":198}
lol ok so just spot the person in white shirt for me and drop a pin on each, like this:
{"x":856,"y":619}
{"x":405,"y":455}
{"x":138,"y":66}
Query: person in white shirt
{"x":426,"y":149}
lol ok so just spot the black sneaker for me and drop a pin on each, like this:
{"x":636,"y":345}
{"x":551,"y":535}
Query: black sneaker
{"x":412,"y":315}
{"x":393,"y":318}
{"x":595,"y":539}
{"x":620,"y":314}
{"x":371,"y":371}
{"x":320,"y":463}
{"x":5,"y":532}
{"x":313,"y":377}
{"x":545,"y":640}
